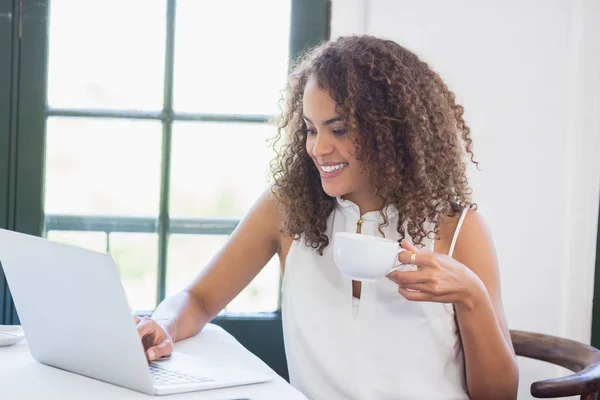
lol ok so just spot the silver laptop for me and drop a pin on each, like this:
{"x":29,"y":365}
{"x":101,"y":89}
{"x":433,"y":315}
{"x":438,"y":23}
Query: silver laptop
{"x":75,"y":316}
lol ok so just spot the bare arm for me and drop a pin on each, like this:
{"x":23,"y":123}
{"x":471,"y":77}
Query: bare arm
{"x":491,"y":366}
{"x":471,"y":282}
{"x":250,"y":247}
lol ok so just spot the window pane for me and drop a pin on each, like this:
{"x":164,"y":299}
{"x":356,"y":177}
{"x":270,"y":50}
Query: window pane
{"x":106,"y":54}
{"x":262,"y":294}
{"x":95,"y":241}
{"x":136,"y":254}
{"x":189,"y":254}
{"x":218,"y":169}
{"x":102,"y":167}
{"x":231,"y":56}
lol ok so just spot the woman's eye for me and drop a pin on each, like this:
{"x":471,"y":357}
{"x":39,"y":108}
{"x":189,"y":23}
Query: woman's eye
{"x":339,"y":132}
{"x":310,"y":132}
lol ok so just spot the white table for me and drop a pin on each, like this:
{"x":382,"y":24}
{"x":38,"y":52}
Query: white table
{"x":21,"y":377}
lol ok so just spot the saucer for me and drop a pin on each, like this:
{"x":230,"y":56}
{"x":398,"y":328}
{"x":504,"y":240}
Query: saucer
{"x":10,"y":334}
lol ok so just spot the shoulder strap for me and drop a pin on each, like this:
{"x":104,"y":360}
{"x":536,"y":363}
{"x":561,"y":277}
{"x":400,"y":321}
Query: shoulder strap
{"x":460,"y":222}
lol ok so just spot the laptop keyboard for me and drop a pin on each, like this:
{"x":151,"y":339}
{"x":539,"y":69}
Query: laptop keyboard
{"x":162,"y":376}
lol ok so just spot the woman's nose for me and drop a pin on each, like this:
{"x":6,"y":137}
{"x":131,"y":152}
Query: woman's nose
{"x":322,"y":145}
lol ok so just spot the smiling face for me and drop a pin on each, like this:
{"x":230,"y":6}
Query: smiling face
{"x":414,"y":155}
{"x":328,"y":144}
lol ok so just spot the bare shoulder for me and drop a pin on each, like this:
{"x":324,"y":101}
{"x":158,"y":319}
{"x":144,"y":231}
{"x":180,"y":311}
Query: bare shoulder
{"x":265,"y":215}
{"x":475,"y":249}
{"x":268,"y":211}
{"x":445,"y":233}
{"x":473,"y":234}
{"x":284,"y":241}
{"x":474,"y":245}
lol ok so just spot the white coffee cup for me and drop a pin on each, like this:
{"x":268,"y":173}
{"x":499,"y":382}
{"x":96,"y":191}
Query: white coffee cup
{"x":366,"y":258}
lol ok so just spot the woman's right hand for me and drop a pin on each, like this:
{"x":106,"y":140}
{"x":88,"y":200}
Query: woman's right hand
{"x":155,"y":337}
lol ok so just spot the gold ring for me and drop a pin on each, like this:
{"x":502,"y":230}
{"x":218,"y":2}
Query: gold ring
{"x":413,"y":258}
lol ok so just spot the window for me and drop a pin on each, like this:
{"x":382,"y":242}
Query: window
{"x":152,"y":142}
{"x":156,"y":133}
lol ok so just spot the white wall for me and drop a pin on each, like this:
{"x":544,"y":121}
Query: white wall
{"x":528,"y":74}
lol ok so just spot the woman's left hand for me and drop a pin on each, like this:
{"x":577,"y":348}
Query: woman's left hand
{"x":438,"y":278}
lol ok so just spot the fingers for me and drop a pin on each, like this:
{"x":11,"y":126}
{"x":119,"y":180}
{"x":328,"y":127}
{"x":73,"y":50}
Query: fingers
{"x":406,"y":245}
{"x":150,"y":332}
{"x":429,"y":282}
{"x":146,"y":326}
{"x":405,"y":256}
{"x":423,"y":258}
{"x":421,"y":281}
{"x":408,"y":277}
{"x":154,"y":339}
{"x":422,"y":292}
{"x":428,"y":288}
{"x":414,"y":296}
{"x":161,"y":350}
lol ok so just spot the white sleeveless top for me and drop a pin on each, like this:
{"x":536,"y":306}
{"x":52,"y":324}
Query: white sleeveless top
{"x":382,"y":346}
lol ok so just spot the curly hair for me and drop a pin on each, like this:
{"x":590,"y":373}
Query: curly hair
{"x":407,"y":129}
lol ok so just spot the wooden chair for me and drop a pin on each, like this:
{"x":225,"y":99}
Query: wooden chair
{"x":580,"y":358}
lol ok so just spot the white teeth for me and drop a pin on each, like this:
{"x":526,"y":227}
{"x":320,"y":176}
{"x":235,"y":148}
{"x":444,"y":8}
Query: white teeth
{"x":331,"y":168}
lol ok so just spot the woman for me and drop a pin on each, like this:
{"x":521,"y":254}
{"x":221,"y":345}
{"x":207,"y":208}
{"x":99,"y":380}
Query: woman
{"x":374,"y":144}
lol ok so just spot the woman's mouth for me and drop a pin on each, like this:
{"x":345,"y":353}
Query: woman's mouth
{"x":332,"y":170}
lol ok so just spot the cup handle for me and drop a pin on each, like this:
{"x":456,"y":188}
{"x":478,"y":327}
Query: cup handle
{"x":397,"y":264}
